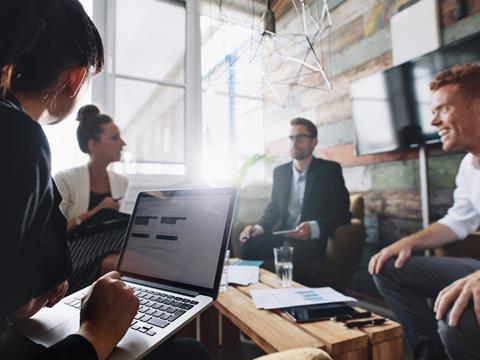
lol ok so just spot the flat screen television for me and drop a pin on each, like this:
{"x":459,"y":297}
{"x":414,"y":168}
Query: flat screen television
{"x":391,"y":109}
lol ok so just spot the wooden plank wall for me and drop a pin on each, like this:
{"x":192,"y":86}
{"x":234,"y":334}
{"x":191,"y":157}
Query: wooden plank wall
{"x":361,"y":45}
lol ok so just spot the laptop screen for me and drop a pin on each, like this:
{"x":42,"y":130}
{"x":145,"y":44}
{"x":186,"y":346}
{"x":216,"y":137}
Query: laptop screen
{"x":179,"y":236}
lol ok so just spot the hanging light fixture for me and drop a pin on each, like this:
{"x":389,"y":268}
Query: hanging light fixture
{"x":268,"y":20}
{"x":285,"y":59}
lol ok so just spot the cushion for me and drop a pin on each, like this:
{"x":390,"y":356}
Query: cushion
{"x":298,"y":354}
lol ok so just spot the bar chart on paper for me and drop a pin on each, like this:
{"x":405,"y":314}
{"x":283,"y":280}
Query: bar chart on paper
{"x":281,"y":298}
{"x":311,"y":295}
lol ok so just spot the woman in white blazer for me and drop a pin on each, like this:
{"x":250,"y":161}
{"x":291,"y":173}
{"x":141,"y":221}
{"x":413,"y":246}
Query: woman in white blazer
{"x":91,"y":188}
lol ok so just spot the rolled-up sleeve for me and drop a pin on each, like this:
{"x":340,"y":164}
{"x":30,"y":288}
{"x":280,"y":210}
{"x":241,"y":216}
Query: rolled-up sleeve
{"x":314,"y":230}
{"x":462,"y":218}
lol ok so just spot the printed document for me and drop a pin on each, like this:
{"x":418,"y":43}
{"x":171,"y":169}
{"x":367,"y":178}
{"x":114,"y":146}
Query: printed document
{"x":282,"y":298}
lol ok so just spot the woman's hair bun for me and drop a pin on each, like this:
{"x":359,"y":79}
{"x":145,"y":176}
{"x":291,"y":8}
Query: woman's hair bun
{"x":87,"y":112}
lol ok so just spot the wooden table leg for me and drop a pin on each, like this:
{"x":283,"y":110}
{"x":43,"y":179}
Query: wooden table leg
{"x":229,"y":333}
{"x":208,"y":333}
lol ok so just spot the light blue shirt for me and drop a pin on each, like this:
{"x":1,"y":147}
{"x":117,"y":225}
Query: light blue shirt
{"x":295,"y":202}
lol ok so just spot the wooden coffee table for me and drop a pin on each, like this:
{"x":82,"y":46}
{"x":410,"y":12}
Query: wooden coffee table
{"x":272,"y":331}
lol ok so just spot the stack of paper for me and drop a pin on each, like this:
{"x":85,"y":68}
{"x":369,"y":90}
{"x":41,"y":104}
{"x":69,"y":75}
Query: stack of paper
{"x":249,"y":262}
{"x":242,"y":274}
{"x":282,"y":298}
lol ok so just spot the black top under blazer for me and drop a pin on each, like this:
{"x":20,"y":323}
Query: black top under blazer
{"x":326,"y":198}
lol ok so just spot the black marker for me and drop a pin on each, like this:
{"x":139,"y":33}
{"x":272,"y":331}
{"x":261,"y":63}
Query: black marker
{"x":358,"y":315}
{"x":353,"y":324}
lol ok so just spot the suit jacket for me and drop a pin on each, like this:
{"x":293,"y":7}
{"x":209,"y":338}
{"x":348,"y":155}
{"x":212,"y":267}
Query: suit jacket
{"x":326,"y":198}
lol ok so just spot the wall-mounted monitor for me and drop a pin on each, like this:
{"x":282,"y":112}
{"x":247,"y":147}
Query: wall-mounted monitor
{"x":391,"y":109}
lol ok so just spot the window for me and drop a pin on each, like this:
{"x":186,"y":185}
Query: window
{"x":149,"y":84}
{"x":232,"y":111}
{"x":143,"y":87}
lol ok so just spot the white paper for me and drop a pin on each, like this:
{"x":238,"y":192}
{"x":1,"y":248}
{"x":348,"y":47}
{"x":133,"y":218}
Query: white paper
{"x":243,"y":274}
{"x":281,"y":298}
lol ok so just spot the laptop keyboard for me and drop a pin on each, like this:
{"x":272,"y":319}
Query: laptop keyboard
{"x":156,"y":309}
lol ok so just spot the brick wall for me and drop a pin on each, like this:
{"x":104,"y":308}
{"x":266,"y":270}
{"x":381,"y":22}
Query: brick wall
{"x":361,"y":45}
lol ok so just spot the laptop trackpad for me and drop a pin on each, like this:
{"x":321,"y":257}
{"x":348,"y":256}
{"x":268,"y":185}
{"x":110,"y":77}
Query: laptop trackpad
{"x":131,"y":346}
{"x":49,"y":332}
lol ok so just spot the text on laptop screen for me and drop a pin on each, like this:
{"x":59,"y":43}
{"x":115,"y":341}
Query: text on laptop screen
{"x":177,"y":237}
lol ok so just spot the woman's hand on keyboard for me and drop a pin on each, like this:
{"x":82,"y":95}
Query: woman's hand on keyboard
{"x":107,"y":312}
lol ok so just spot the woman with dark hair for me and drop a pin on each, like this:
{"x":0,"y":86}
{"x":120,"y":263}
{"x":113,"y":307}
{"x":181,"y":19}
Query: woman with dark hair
{"x":47,"y":52}
{"x":91,"y":191}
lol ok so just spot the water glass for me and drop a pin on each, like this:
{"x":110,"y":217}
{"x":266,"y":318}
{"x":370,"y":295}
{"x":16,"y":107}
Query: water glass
{"x":284,"y":264}
{"x":224,"y":280}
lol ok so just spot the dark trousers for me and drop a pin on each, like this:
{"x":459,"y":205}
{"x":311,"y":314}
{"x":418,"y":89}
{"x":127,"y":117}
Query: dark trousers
{"x":179,"y":348}
{"x":406,"y":291}
{"x":304,"y":253}
{"x":16,"y":347}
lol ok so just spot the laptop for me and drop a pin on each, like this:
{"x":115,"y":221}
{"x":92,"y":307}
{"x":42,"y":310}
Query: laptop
{"x":172,"y":257}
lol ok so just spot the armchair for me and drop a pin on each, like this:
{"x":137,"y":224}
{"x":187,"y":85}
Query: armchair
{"x":343,"y":253}
{"x":344,"y":250}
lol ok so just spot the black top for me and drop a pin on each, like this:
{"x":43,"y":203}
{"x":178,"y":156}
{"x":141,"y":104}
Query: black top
{"x":104,"y":215}
{"x":326,"y":199}
{"x":96,"y":198}
{"x":34,"y":255}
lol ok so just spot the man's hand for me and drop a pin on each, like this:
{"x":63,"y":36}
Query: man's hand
{"x":107,"y":312}
{"x":433,"y":236}
{"x":248,"y":232}
{"x":402,"y":249}
{"x":460,"y":292}
{"x":303,"y":232}
{"x":50,"y":298}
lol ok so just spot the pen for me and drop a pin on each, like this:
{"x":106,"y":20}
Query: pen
{"x":357,"y":315}
{"x":353,"y":324}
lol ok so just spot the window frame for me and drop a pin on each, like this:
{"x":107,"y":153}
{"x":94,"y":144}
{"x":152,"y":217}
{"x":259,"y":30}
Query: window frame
{"x":103,"y":88}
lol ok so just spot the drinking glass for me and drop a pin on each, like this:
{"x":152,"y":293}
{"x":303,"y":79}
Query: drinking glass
{"x":224,"y":280}
{"x":283,"y":256}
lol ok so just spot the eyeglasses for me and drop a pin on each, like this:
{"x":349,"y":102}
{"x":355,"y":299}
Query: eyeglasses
{"x":299,"y":137}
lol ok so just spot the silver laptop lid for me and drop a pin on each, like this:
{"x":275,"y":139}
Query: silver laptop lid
{"x":179,"y":238}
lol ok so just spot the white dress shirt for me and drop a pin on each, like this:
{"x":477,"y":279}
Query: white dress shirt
{"x":464,"y":216}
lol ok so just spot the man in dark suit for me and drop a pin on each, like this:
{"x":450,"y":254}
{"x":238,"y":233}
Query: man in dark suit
{"x":308,"y":195}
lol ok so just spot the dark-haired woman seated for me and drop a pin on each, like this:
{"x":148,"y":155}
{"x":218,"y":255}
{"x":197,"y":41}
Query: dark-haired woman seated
{"x":91,"y":190}
{"x":92,"y":194}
